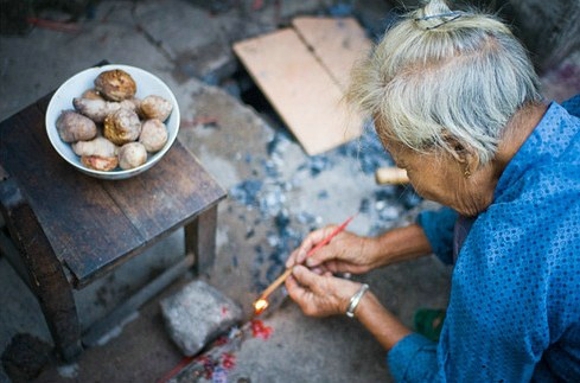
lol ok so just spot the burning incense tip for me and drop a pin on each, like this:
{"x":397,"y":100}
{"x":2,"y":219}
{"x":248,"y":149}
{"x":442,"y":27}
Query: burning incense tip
{"x":260,"y":305}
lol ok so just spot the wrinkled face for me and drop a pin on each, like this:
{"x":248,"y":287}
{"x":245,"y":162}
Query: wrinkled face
{"x":439,"y":176}
{"x":432,"y":174}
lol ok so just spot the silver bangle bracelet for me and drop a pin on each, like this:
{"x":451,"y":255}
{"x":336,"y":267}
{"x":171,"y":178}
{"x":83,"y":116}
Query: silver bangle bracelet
{"x":355,"y":300}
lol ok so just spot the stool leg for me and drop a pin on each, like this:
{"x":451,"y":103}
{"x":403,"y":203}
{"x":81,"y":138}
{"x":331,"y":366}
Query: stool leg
{"x":200,"y":239}
{"x":58,"y":306}
{"x":46,"y":275}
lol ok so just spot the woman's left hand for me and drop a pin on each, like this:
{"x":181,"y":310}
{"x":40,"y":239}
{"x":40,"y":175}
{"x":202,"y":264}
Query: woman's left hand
{"x":320,"y":295}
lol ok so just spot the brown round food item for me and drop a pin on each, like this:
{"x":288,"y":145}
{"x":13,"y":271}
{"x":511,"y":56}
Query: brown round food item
{"x":153,"y":135}
{"x":73,"y":126}
{"x":104,"y":164}
{"x":115,"y":85}
{"x":91,"y":94}
{"x":122,"y":126}
{"x":98,"y":109}
{"x":154,"y":106}
{"x":99,"y":146}
{"x":132,"y":155}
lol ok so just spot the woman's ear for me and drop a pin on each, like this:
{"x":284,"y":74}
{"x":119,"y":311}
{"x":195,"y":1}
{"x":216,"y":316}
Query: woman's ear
{"x":465,"y":155}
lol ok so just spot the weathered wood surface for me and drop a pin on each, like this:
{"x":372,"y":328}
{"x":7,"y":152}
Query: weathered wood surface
{"x":200,"y":239}
{"x":95,"y":225}
{"x":302,"y":90}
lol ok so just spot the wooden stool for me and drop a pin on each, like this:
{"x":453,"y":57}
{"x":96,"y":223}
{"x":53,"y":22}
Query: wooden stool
{"x":64,"y":229}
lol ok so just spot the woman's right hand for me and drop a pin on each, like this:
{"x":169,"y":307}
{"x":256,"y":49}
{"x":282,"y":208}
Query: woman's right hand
{"x":345,"y":253}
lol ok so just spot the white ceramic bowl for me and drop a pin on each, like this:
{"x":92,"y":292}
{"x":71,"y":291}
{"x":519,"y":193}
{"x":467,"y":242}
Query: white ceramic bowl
{"x":147,"y":84}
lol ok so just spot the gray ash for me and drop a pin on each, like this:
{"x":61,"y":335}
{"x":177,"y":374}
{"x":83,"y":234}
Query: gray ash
{"x":367,"y":150}
{"x":246,"y":192}
{"x":267,"y":193}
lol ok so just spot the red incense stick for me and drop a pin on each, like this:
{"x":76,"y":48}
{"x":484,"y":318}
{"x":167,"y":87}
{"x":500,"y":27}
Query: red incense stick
{"x":262,"y":303}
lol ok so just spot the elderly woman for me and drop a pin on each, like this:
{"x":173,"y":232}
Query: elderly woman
{"x":455,"y":102}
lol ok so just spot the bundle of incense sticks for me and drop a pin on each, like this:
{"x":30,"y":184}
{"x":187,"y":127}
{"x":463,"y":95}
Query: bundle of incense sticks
{"x":262,"y":303}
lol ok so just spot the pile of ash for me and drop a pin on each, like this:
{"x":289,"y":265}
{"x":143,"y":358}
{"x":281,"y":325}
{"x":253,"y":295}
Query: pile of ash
{"x":269,"y":192}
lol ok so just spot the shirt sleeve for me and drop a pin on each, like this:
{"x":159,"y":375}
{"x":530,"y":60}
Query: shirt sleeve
{"x":413,"y":359}
{"x":438,"y":227}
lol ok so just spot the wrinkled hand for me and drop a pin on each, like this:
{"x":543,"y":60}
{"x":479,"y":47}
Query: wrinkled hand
{"x":320,"y":295}
{"x":344,"y":254}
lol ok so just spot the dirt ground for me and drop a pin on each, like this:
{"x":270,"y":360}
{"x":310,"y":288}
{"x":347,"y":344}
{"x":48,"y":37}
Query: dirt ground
{"x":277,"y":194}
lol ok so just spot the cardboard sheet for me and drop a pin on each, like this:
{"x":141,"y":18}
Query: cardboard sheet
{"x":337,"y":43}
{"x":302,"y":71}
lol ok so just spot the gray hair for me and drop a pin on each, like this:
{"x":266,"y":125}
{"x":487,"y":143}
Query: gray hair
{"x":439,"y":73}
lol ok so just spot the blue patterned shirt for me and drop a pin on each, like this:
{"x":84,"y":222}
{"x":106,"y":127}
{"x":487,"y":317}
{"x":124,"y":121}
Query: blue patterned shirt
{"x":514,"y":307}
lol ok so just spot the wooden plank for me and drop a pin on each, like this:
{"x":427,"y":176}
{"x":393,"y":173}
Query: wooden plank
{"x":300,"y":89}
{"x":337,"y":42}
{"x":170,"y":193}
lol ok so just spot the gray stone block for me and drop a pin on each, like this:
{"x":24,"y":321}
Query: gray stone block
{"x":197,"y":315}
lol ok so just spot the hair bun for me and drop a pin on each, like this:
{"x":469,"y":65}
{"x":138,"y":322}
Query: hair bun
{"x":435,"y":14}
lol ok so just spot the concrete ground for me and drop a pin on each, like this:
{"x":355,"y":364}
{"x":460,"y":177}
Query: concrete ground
{"x":277,"y":194}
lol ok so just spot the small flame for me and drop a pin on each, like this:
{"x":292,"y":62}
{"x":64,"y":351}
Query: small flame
{"x":260,"y":305}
